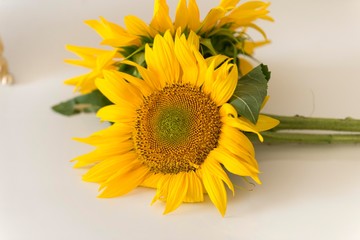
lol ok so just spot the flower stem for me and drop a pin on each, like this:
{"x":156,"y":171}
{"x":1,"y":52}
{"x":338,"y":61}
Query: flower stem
{"x":285,"y":137}
{"x":308,"y":123}
{"x":284,"y":133}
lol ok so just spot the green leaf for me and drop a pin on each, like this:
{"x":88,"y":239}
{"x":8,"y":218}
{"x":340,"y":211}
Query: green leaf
{"x":87,"y":103}
{"x":266,"y":72}
{"x":250,"y":93}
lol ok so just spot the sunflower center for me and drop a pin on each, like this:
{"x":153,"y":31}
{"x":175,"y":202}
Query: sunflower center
{"x":176,"y":128}
{"x":173,"y":125}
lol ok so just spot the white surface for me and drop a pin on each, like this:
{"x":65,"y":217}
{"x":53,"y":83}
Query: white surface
{"x":308,"y":192}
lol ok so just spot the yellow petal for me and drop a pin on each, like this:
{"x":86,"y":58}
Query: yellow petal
{"x":106,"y":60}
{"x":218,"y":60}
{"x":257,"y":28}
{"x":117,"y":90}
{"x":225,"y":83}
{"x":227,"y":110}
{"x":85,"y":51}
{"x":114,"y":131}
{"x":162,"y":61}
{"x":113,"y":34}
{"x":237,"y":164}
{"x":245,"y":66}
{"x":148,"y":76}
{"x":138,"y":27}
{"x":249,"y":46}
{"x":211,"y":19}
{"x":117,"y":113}
{"x":103,"y":152}
{"x":264,"y":123}
{"x":267,"y":18}
{"x":202,"y":68}
{"x":194,"y":41}
{"x":162,"y":187}
{"x":229,"y":4}
{"x":243,"y":126}
{"x":245,"y":14}
{"x":233,"y":163}
{"x":95,"y":140}
{"x":193,"y":16}
{"x":152,"y":180}
{"x":87,"y":55}
{"x":84,"y":83}
{"x":237,"y":143}
{"x":253,"y":5}
{"x":124,"y":183}
{"x":161,"y":20}
{"x":211,"y":165}
{"x":82,"y":62}
{"x":266,"y":99}
{"x":215,"y":188}
{"x":195,"y":191}
{"x":186,"y":58}
{"x":105,"y":169}
{"x":229,"y":117}
{"x":181,"y":18}
{"x":97,"y":61}
{"x":249,"y":11}
{"x":177,"y":189}
{"x":140,"y":84}
{"x":209,"y":79}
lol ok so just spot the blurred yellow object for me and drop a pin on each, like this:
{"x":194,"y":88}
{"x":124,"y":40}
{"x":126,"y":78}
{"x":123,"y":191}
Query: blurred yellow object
{"x":5,"y":76}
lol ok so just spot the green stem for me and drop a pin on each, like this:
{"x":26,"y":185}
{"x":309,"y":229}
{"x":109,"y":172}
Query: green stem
{"x":308,"y":123}
{"x":281,"y":133}
{"x":285,"y":137}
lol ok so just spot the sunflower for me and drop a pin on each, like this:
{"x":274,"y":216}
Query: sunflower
{"x":172,"y":129}
{"x":222,"y":31}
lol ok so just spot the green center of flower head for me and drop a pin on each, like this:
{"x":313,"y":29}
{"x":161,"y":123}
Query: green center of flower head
{"x":176,"y":128}
{"x":173,"y":125}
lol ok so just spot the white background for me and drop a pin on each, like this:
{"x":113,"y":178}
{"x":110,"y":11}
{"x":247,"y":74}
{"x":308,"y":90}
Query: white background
{"x":308,"y":192}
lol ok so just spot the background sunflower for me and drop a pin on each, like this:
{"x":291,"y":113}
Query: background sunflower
{"x":224,"y":30}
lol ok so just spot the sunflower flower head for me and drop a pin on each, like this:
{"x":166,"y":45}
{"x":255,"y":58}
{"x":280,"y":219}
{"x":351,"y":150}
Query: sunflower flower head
{"x":173,"y":128}
{"x":223,"y":31}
